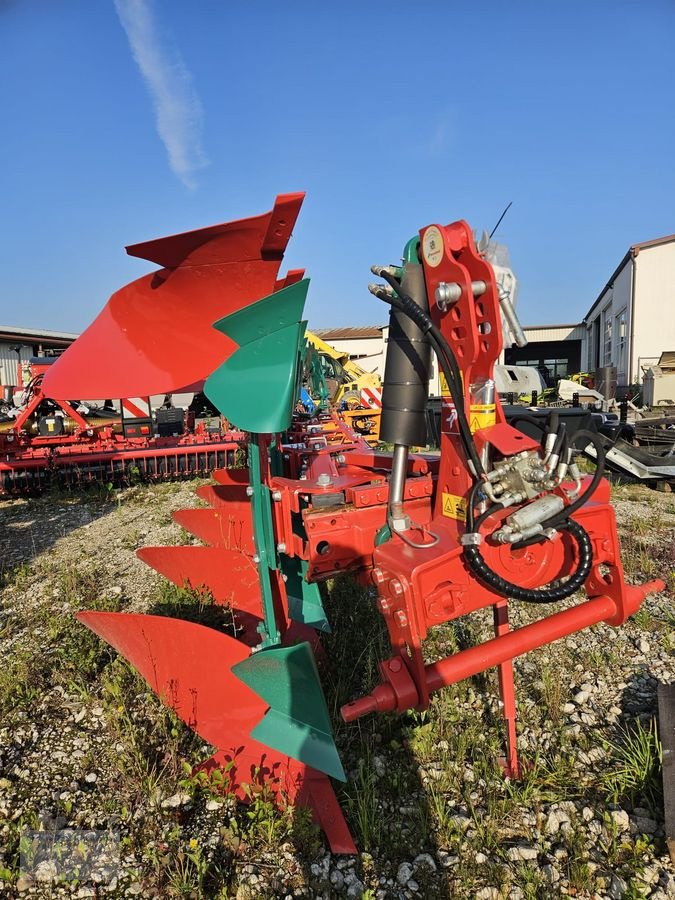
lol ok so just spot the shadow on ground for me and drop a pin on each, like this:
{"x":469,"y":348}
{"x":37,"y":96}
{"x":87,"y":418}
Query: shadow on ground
{"x":31,"y":525}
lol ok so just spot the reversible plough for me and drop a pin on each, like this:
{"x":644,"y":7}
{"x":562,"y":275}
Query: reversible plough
{"x":497,"y":516}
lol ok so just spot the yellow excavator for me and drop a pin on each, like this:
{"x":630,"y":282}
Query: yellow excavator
{"x":355,"y":393}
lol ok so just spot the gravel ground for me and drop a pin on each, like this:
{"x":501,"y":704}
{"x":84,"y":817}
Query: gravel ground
{"x":83,"y":744}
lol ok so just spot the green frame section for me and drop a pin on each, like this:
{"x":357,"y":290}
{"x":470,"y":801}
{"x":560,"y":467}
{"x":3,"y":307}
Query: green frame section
{"x":257,"y":388}
{"x":304,"y":598}
{"x":263,"y":536}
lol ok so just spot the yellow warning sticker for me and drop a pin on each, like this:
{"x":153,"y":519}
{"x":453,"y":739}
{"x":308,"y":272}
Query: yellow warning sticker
{"x":481,"y":415}
{"x":454,"y":507}
{"x":445,"y":390}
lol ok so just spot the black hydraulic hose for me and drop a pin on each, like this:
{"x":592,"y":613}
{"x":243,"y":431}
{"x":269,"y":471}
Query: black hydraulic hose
{"x":457,"y":393}
{"x":470,"y":527}
{"x":449,"y":367}
{"x":595,"y":480}
{"x":552,"y":424}
{"x":559,"y":442}
{"x":549,"y":594}
{"x":559,"y":519}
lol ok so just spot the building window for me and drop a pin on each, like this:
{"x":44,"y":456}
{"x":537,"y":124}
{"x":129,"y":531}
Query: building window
{"x":621,"y":330}
{"x":594,"y":345}
{"x":552,"y":370}
{"x":607,"y":336}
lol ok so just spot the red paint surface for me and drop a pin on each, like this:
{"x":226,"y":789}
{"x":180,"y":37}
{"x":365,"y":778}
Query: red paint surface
{"x":155,"y":334}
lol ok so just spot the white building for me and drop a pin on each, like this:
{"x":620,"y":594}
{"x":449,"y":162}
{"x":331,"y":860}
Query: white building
{"x":365,"y":345}
{"x":629,"y":326}
{"x":633,"y":320}
{"x":368,"y":347}
{"x":558,"y":351}
{"x":20,"y":345}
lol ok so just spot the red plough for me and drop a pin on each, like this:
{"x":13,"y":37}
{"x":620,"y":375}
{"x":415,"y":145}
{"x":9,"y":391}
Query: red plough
{"x":500,"y":517}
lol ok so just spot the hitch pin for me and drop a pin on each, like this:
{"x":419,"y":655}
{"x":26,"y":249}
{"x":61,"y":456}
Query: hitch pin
{"x":447,"y":293}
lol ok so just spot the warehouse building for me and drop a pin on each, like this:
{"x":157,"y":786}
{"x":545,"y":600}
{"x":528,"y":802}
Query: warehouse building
{"x":557,"y":351}
{"x":632,"y":322}
{"x":627,"y":328}
{"x":19,"y":345}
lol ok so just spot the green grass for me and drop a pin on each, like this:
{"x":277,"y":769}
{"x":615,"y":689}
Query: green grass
{"x":638,"y":758}
{"x":51,"y":647}
{"x":407,"y":791}
{"x":193,"y":605}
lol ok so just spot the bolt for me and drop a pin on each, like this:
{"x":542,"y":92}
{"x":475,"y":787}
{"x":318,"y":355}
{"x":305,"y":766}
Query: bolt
{"x":383,"y":605}
{"x":378,"y":576}
{"x":276,"y":495}
{"x":249,"y":491}
{"x":396,"y":587}
{"x":341,"y":459}
{"x":324,"y":480}
{"x":401,"y":618}
{"x":256,"y":559}
{"x":395,"y":665}
{"x":281,"y":547}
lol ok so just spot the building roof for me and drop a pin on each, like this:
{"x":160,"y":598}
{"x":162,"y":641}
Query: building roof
{"x":345,"y":334}
{"x":667,"y":360}
{"x":631,"y":253}
{"x":541,"y":327}
{"x":653,"y":243}
{"x":35,"y":335}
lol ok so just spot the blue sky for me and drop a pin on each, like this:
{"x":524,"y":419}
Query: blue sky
{"x":128,"y":120}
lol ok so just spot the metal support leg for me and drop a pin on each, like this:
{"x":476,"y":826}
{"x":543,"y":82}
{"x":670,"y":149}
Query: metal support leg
{"x":507,"y":692}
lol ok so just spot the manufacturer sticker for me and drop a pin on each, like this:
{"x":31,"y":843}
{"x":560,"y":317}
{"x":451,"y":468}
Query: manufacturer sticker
{"x":432,"y":246}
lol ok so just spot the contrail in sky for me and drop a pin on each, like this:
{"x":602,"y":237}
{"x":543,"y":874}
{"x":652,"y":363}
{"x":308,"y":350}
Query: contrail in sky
{"x":178,"y":110}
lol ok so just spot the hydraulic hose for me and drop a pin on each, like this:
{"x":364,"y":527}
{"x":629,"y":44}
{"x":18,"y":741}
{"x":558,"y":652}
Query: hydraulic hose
{"x":592,"y":438}
{"x":549,"y":594}
{"x":559,"y":442}
{"x":448,"y":364}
